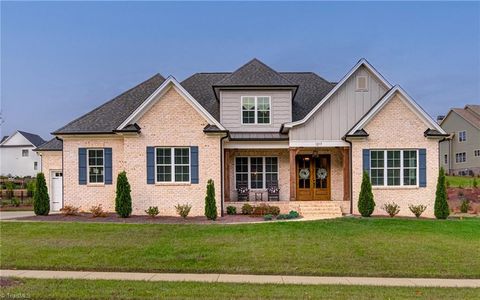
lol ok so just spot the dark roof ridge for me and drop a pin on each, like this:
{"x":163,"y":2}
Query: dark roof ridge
{"x":109,"y":101}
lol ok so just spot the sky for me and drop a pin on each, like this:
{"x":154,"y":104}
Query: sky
{"x":60,"y":60}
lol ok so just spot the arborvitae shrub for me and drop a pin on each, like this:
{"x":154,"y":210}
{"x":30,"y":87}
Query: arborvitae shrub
{"x":366,"y":204}
{"x":123,"y":199}
{"x":41,"y":200}
{"x":210,"y":205}
{"x":441,"y":209}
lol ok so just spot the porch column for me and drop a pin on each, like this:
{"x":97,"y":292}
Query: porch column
{"x":226,"y":177}
{"x":293,"y":174}
{"x":346,"y":174}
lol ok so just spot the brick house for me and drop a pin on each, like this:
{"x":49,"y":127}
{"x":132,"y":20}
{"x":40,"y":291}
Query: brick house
{"x":252,"y":131}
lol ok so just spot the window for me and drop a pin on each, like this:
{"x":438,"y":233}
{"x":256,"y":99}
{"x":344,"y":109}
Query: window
{"x":24,"y":152}
{"x":445,"y":159}
{"x":460,"y":157}
{"x":172,"y":164}
{"x":394,"y":167}
{"x":255,"y":110}
{"x":362,"y":83}
{"x":476,"y":153}
{"x":95,"y":165}
{"x":462,"y":136}
{"x":256,"y":172}
{"x":35,"y":165}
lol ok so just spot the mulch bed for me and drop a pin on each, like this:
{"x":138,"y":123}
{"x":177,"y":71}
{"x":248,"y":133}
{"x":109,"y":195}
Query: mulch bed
{"x":113,"y":218}
{"x":455,"y":198}
{"x":6,"y":282}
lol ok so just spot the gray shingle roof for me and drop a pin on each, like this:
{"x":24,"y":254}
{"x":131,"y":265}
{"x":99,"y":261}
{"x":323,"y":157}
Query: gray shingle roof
{"x":52,"y":145}
{"x":4,"y":138}
{"x":254,"y":73}
{"x":468,"y":115}
{"x":35,"y":139}
{"x":107,"y":117}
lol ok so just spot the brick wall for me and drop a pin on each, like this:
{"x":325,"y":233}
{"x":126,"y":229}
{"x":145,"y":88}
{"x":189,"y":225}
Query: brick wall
{"x":397,"y":126}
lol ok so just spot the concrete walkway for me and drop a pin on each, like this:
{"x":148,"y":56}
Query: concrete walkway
{"x":233,"y":278}
{"x":6,"y":215}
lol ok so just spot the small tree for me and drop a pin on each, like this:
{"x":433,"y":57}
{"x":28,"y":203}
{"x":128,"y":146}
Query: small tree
{"x":366,"y":204}
{"x":41,"y":200}
{"x":123,"y":199}
{"x":210,"y":205}
{"x":441,"y":209}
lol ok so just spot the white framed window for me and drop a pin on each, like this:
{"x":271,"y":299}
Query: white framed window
{"x":476,"y":153}
{"x":362,"y":83}
{"x":460,"y":157}
{"x":172,"y":164}
{"x":445,"y":159}
{"x":256,"y":110}
{"x":256,"y":172}
{"x":24,"y":152}
{"x":462,"y":136}
{"x":394,"y":167}
{"x":35,"y":165}
{"x":95,"y":165}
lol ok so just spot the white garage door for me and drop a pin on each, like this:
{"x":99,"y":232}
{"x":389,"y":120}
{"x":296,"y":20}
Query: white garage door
{"x":56,"y":199}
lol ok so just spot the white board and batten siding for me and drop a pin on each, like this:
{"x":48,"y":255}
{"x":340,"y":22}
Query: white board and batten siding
{"x":341,"y":112}
{"x":231,"y":111}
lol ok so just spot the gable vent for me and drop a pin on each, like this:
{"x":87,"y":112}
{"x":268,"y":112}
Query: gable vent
{"x":362,"y":83}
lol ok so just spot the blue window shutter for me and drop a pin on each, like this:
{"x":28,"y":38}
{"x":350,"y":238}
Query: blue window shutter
{"x":366,"y":160}
{"x":150,"y":165}
{"x":82,"y":166}
{"x":108,"y":165}
{"x":422,"y":163}
{"x":194,"y":164}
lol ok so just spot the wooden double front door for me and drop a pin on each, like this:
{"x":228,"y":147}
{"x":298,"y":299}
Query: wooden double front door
{"x":313,"y":177}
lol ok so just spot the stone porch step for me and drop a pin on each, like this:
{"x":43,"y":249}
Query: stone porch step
{"x":317,"y":209}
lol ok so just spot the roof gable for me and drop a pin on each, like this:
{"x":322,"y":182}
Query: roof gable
{"x":384,"y":100}
{"x":471,"y":114}
{"x":52,"y":145}
{"x":170,"y":82}
{"x":22,"y":138}
{"x":363,"y":62}
{"x":254,"y":73}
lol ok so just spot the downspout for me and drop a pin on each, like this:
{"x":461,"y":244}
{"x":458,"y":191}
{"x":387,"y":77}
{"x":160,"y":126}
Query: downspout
{"x":221,"y":175}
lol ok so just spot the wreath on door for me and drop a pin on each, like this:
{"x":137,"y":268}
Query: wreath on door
{"x":322,"y":173}
{"x":304,"y":173}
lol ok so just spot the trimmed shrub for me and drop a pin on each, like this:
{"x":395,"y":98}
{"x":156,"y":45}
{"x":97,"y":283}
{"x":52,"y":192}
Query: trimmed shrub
{"x":152,"y":211}
{"x":391,"y":208}
{"x":210,"y":206}
{"x":15,"y":202}
{"x":417,"y":210}
{"x":183,"y":210}
{"x":268,"y":217}
{"x":247,"y":209}
{"x":123,"y":199}
{"x":294,"y":214}
{"x":366,"y":204}
{"x":70,"y":210}
{"x":265,"y":209}
{"x":231,"y":210}
{"x":441,"y":209}
{"x":31,"y":187}
{"x":41,"y":200}
{"x":465,"y":206}
{"x":97,"y":211}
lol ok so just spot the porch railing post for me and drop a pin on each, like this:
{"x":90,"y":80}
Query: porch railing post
{"x":293,"y":174}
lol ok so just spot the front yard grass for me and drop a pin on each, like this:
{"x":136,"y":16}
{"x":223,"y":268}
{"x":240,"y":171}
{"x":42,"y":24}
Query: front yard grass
{"x":464,"y":181}
{"x":109,"y":289}
{"x":341,"y":247}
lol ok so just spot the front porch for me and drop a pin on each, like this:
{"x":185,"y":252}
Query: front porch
{"x":313,"y":180}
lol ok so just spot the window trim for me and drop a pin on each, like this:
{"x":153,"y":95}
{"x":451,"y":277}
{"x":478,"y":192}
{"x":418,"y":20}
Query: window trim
{"x":465,"y":136}
{"x":359,"y":89}
{"x":476,"y":153}
{"x":35,"y":165}
{"x":264,"y":172}
{"x":28,"y":153}
{"x":172,"y":165}
{"x":445,"y":159}
{"x":256,"y":110}
{"x":460,"y":162}
{"x":88,"y":167}
{"x":402,"y":169}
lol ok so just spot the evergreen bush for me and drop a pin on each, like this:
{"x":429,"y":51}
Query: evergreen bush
{"x":41,"y":200}
{"x":366,"y":203}
{"x":123,"y":199}
{"x":210,"y":205}
{"x":441,"y":209}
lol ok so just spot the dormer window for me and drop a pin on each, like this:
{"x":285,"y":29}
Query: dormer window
{"x":362,"y":84}
{"x":255,"y":110}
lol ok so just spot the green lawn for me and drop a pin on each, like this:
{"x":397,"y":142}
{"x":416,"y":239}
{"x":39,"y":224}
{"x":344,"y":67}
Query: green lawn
{"x":103,"y":289}
{"x":340,"y":247}
{"x":464,"y":181}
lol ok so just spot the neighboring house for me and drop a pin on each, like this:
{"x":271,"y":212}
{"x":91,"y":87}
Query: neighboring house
{"x":253,"y":128}
{"x":17,"y":157}
{"x":460,"y":152}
